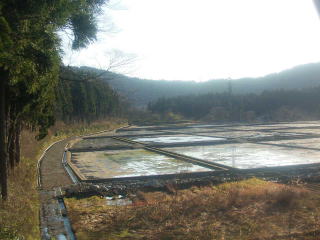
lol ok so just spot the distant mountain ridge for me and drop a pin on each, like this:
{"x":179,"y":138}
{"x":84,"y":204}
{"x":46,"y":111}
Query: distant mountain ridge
{"x":139,"y":92}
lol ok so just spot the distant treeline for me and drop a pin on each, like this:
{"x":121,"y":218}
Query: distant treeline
{"x":82,"y":97}
{"x":141,"y":91}
{"x":282,"y":105}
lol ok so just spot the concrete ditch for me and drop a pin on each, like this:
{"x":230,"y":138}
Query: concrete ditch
{"x":115,"y":185}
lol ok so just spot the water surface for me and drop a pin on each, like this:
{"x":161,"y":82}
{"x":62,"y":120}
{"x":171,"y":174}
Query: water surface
{"x":246,"y":155}
{"x":130,"y":163}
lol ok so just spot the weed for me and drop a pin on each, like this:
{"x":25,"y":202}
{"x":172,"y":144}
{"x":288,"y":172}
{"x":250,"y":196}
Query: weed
{"x":240,"y":210}
{"x":19,"y":216}
{"x":286,"y":198}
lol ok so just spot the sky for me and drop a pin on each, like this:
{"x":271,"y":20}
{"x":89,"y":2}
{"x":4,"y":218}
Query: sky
{"x":204,"y":39}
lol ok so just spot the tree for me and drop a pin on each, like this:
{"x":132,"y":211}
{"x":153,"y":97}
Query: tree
{"x":279,"y":105}
{"x":84,"y":100}
{"x":29,"y":64}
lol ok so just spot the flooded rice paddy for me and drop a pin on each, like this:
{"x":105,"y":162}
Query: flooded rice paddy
{"x":301,"y":130}
{"x":304,"y":143}
{"x":97,"y":143}
{"x":129,"y":163}
{"x":239,"y":134}
{"x":137,"y":133}
{"x":247,"y":155}
{"x":239,"y":146}
{"x":196,"y":130}
{"x":175,"y":139}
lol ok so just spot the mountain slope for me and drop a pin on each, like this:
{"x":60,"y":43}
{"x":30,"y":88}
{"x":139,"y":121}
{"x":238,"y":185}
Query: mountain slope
{"x":141,"y":91}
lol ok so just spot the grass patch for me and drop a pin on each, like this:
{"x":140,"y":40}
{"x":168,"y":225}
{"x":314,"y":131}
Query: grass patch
{"x":251,"y":209}
{"x":19,"y":216}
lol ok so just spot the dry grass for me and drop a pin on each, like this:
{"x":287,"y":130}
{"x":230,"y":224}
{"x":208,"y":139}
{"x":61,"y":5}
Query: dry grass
{"x":251,"y":209}
{"x":19,"y":216}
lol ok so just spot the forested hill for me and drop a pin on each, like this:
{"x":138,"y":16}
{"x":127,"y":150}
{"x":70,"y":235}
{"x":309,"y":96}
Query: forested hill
{"x":81,"y":97}
{"x":142,"y":91}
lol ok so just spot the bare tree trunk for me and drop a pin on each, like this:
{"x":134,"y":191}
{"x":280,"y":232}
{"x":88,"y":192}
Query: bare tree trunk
{"x":10,"y":137}
{"x":11,"y":145}
{"x":17,"y":142}
{"x":3,"y":148}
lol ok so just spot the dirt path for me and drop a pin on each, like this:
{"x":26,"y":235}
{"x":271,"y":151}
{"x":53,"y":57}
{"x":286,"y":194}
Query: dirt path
{"x":53,"y":176}
{"x":52,"y":171}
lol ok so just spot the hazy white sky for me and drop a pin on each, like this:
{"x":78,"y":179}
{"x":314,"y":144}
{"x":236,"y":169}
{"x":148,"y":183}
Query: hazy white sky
{"x":206,"y":39}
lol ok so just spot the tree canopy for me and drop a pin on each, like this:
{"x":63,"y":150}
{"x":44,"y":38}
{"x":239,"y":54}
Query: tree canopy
{"x":276,"y":105}
{"x":84,"y":101}
{"x":30,"y":59}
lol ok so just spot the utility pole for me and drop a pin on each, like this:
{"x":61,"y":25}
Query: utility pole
{"x":230,"y":98}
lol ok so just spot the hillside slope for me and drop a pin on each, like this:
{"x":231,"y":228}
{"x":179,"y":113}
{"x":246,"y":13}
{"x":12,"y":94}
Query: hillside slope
{"x":139,"y":92}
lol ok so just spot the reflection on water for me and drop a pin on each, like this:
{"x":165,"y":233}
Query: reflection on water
{"x":245,"y":156}
{"x":176,"y":139}
{"x":129,"y":163}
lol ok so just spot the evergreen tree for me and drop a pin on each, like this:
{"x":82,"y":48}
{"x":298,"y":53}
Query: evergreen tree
{"x":84,"y":100}
{"x":29,"y":64}
{"x":274,"y":105}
